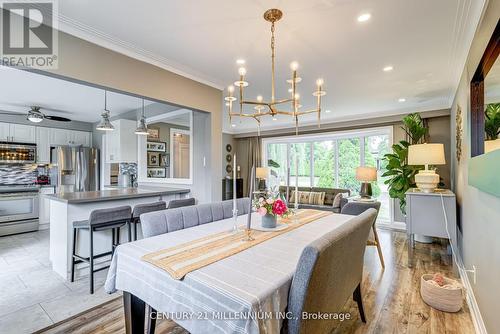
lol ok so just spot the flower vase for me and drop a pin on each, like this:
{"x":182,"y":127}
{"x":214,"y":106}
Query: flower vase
{"x":269,"y":221}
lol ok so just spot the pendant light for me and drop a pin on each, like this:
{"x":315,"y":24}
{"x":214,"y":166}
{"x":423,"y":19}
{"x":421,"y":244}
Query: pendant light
{"x":105,"y":124}
{"x":142,"y":129}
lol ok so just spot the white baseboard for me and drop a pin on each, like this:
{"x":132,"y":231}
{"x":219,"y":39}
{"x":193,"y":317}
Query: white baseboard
{"x":477,"y":319}
{"x":395,"y":226}
{"x":43,"y":226}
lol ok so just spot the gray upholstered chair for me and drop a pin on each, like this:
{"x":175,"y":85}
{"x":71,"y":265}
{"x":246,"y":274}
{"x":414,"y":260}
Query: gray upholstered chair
{"x":102,"y":219}
{"x":169,"y":220}
{"x":329,"y":271}
{"x":356,"y":208}
{"x":178,"y":203}
{"x":139,"y":209}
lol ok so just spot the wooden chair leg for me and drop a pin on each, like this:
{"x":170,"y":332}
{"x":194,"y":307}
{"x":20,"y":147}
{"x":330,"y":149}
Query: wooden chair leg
{"x":72,"y":255}
{"x":357,"y":297}
{"x":379,"y":248}
{"x":91,"y":259}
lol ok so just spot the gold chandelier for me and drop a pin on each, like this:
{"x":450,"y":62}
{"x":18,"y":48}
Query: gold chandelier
{"x":263,"y":108}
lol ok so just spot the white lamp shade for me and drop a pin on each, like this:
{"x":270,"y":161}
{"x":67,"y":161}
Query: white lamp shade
{"x":426,"y":154}
{"x":261,"y":172}
{"x":366,"y":174}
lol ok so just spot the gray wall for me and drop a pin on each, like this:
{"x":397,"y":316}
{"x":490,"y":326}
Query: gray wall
{"x":479,"y":212}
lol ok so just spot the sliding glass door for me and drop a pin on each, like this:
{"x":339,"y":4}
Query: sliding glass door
{"x":330,"y":161}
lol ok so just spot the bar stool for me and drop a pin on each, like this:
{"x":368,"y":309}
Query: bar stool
{"x":139,"y":209}
{"x":99,"y":220}
{"x":178,"y":203}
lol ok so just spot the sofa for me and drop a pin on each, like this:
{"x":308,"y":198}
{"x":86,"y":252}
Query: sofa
{"x":330,"y":194}
{"x":169,"y":220}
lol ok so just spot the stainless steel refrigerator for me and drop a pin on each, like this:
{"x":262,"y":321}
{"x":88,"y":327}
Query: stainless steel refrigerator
{"x":77,"y":168}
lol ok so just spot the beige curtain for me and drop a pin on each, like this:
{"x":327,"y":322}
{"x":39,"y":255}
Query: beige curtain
{"x":254,"y":158}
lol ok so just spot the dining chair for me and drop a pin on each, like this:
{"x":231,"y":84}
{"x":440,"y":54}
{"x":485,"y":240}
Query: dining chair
{"x":356,"y":208}
{"x":178,"y":203}
{"x":329,"y":271}
{"x":139,"y":209}
{"x":99,"y":220}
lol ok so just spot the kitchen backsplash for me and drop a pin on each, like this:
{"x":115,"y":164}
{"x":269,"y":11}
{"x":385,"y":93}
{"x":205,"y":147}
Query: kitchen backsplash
{"x":125,"y":168}
{"x":17,"y":174}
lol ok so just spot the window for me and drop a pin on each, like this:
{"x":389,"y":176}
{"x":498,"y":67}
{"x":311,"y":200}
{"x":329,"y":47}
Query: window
{"x":301,"y":153}
{"x":324,"y":164}
{"x":330,"y":161}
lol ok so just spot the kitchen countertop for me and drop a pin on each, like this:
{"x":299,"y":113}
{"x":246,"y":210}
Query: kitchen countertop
{"x":113,"y":194}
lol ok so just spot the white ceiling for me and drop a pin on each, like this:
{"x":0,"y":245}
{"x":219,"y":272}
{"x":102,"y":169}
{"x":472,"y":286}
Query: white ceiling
{"x":426,"y":41}
{"x":21,"y":89}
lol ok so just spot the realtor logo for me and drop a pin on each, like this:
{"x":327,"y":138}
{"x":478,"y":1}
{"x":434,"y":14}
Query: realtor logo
{"x":29,"y":34}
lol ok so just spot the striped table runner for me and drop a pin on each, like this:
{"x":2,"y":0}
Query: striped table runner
{"x":184,"y":258}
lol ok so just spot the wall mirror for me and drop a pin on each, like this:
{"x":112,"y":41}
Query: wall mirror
{"x":166,"y":153}
{"x":485,"y":100}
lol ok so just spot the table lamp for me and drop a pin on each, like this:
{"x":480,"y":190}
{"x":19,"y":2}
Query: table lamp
{"x":426,"y":154}
{"x":366,"y":175}
{"x":261,"y":173}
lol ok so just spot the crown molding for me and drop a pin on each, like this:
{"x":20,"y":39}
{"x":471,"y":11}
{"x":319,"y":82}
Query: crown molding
{"x":467,"y":19}
{"x":95,"y":36}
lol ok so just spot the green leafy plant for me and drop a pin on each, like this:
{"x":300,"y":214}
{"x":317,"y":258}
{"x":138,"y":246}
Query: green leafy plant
{"x":400,"y":175}
{"x":492,"y":121}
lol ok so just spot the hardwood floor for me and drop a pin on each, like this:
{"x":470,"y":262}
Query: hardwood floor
{"x":391,"y":298}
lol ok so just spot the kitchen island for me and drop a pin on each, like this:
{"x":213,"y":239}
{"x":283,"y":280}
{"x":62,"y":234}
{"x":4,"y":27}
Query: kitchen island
{"x":65,"y":208}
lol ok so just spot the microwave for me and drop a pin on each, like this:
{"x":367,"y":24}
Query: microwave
{"x":17,"y":153}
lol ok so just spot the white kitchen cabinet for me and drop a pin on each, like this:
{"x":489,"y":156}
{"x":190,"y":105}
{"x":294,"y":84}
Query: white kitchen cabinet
{"x":59,"y":137}
{"x":43,"y":145}
{"x":4,"y":131}
{"x":80,"y":138}
{"x":21,"y":133}
{"x":121,"y":143}
{"x":44,"y":206}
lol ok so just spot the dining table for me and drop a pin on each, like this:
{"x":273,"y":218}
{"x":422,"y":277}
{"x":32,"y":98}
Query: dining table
{"x":243,"y":293}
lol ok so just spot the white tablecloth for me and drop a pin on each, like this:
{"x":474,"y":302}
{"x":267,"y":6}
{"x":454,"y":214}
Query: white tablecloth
{"x":228,"y":296}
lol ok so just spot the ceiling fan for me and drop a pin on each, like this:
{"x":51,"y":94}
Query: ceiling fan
{"x":36,"y":116}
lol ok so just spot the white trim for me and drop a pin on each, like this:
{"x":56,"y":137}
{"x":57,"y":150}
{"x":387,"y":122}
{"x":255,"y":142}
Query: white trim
{"x":476,"y":316}
{"x":97,"y":37}
{"x":142,"y":158}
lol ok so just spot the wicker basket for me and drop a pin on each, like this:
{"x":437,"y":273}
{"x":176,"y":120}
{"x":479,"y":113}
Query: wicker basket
{"x":447,"y":300}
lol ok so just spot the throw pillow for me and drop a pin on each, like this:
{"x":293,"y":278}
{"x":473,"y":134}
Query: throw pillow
{"x":303,"y":197}
{"x":316,"y":198}
{"x":336,"y":200}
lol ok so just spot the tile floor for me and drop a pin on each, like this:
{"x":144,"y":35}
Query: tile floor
{"x":32,"y":295}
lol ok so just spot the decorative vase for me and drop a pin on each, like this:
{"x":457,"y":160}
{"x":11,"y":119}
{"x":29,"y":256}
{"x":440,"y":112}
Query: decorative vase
{"x":269,"y":221}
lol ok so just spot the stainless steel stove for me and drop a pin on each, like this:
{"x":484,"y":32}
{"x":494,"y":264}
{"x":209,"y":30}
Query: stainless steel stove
{"x":18,"y":209}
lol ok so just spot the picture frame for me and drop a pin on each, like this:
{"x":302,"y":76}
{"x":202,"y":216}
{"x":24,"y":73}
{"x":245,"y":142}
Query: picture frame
{"x":165,"y":160}
{"x":153,"y":159}
{"x":156,"y":146}
{"x":157,"y":173}
{"x":153,"y":133}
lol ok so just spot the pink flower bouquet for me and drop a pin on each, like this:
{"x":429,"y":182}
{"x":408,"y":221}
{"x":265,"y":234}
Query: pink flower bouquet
{"x":272,"y":206}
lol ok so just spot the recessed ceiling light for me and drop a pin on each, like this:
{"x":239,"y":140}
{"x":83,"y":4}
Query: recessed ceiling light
{"x":240,"y":61}
{"x":328,"y":111}
{"x":364,"y":17}
{"x":233,"y":125}
{"x":388,"y":68}
{"x":402,"y":99}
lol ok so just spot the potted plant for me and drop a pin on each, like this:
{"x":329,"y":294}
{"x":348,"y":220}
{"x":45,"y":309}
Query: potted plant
{"x":492,"y":127}
{"x":400,"y":175}
{"x":269,"y":207}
